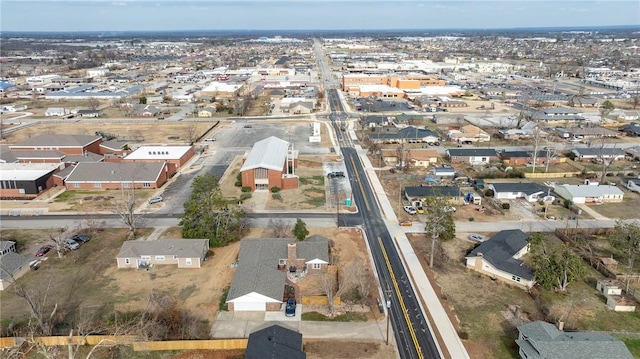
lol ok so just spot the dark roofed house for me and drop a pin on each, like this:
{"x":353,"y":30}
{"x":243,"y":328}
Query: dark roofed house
{"x":521,"y":158}
{"x":631,"y":129}
{"x":12,"y":267}
{"x":263,"y":266}
{"x":420,"y":193}
{"x":473,"y":156}
{"x":530,"y":191}
{"x":275,"y":342}
{"x":499,"y":256}
{"x":542,"y":340}
{"x":590,"y":153}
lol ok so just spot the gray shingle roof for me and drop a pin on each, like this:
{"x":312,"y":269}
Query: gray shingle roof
{"x":38,"y":154}
{"x":58,"y":141}
{"x":430,"y":191}
{"x":10,"y":263}
{"x":183,"y":248}
{"x":472,"y":152}
{"x":4,"y":245}
{"x":6,"y":155}
{"x":269,"y":153}
{"x":500,"y":249}
{"x":87,"y":157}
{"x":544,"y":340}
{"x":275,"y":342}
{"x":257,"y":269}
{"x":116,"y":172}
{"x":606,"y":151}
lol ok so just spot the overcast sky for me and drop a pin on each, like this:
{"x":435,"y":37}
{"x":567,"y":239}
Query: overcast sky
{"x":154,"y":15}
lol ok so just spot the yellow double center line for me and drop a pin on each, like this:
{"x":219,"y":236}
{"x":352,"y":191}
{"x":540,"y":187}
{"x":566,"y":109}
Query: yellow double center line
{"x":366,"y":202}
{"x":399,"y":294}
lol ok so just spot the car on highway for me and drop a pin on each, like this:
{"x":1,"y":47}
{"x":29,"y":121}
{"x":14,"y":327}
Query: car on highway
{"x":477,"y":238}
{"x":248,"y":126}
{"x":410,"y":210}
{"x":43,"y":250}
{"x":156,"y":199}
{"x":290,"y":308}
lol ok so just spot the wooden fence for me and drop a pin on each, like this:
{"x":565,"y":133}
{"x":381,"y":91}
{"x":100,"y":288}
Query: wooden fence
{"x":218,"y":344}
{"x":552,"y":174}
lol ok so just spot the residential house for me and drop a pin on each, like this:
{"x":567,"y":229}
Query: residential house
{"x":270,"y":163}
{"x":420,"y":193}
{"x":186,"y":253}
{"x":68,"y":144}
{"x":499,"y":257}
{"x":559,"y":115}
{"x":632,"y":184}
{"x":142,"y":110}
{"x":389,"y":156}
{"x":26,"y":180}
{"x":624,"y":115}
{"x":275,"y":342}
{"x":541,"y":340}
{"x":599,"y":154}
{"x":522,"y":158}
{"x":423,"y":158}
{"x":532,"y":192}
{"x":7,"y":247}
{"x":301,"y":107}
{"x":580,"y":194}
{"x":631,"y":129}
{"x":404,"y":135}
{"x":591,"y":132}
{"x":207,"y":111}
{"x":264,"y":266}
{"x":56,"y":111}
{"x":468,"y":134}
{"x":633,"y":152}
{"x":117,"y":175}
{"x":89,"y":113}
{"x":472,"y":156}
{"x":527,"y":130}
{"x":12,"y":267}
{"x":444,"y":172}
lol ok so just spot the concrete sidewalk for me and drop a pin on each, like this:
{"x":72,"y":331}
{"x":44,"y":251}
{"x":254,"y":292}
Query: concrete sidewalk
{"x":419,"y":280}
{"x":241,"y":324}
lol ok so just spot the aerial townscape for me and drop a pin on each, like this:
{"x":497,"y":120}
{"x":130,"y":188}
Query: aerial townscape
{"x":340,"y":193}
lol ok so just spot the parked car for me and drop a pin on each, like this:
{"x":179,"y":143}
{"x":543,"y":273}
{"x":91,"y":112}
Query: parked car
{"x":406,"y":223}
{"x":71,"y":244}
{"x":248,"y":126}
{"x":410,"y":210}
{"x":156,"y":199}
{"x":477,"y":238}
{"x":450,"y":209}
{"x":43,"y":250}
{"x":290,"y":309}
{"x":211,"y":139}
{"x":335,"y":174}
{"x":81,"y":238}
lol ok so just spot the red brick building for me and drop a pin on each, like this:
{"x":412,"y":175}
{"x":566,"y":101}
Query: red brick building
{"x":67,"y":144}
{"x":114,"y":175}
{"x":270,"y":163}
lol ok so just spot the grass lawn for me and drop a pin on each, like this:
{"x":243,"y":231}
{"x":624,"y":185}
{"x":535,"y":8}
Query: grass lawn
{"x":628,"y":208}
{"x":632,"y":342}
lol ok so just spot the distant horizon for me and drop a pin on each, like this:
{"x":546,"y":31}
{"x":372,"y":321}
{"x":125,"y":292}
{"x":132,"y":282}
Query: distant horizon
{"x":314,"y":15}
{"x":629,"y":27}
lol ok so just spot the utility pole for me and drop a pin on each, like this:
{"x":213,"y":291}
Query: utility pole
{"x":388,"y":291}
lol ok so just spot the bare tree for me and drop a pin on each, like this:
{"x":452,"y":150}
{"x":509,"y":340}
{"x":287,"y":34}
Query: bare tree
{"x":280,"y":228}
{"x":605,"y":157}
{"x":42,"y":310}
{"x":551,"y":150}
{"x":191,"y":132}
{"x":125,"y":208}
{"x":93,"y":103}
{"x":334,"y":283}
{"x":537,"y":136}
{"x":57,"y":237}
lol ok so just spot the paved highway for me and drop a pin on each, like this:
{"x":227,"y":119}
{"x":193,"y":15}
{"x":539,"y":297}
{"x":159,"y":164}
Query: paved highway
{"x":411,"y":330}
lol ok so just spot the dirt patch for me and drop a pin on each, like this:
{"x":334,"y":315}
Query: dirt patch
{"x":338,"y":349}
{"x":195,"y":289}
{"x":211,"y":354}
{"x":147,"y":132}
{"x":475,"y":304}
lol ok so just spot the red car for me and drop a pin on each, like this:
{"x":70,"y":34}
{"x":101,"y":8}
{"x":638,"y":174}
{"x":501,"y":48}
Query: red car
{"x":43,"y":250}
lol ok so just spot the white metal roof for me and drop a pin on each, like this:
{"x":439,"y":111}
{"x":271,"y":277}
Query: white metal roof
{"x":25,"y":171}
{"x":591,"y":191}
{"x":158,"y":153}
{"x":269,"y":153}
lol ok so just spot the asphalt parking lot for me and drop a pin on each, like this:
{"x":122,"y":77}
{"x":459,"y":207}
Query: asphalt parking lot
{"x":379,"y":105}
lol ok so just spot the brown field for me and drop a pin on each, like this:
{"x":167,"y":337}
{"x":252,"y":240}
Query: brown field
{"x":147,"y":132}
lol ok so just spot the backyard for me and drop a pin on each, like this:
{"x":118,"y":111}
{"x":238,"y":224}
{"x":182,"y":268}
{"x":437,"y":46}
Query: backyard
{"x":489,"y":311}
